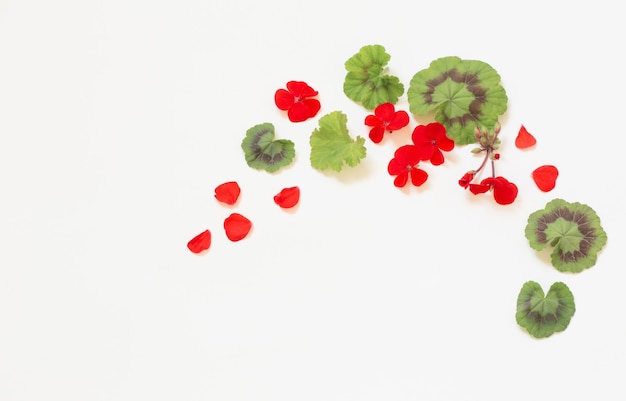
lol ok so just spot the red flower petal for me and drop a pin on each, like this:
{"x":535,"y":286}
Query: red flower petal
{"x":237,"y":227}
{"x":300,"y":89}
{"x":399,"y":120}
{"x":283,"y":99}
{"x":385,"y":111}
{"x":524,"y":139}
{"x":401,"y":179}
{"x":418,"y":176}
{"x":200,"y":242}
{"x":376,"y":134}
{"x":373,"y":121}
{"x":479,"y":188}
{"x":504,"y":192}
{"x":298,"y":112}
{"x":545,"y":177}
{"x":313,"y":105}
{"x":288,"y":197}
{"x":228,"y":192}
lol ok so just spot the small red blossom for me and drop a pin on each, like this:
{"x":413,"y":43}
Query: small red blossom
{"x":237,"y":227}
{"x":200,"y":242}
{"x":297,"y":101}
{"x":545,"y":177}
{"x":385,"y":119}
{"x":288,"y":197}
{"x":228,"y":192}
{"x":466,"y":179}
{"x":524,"y":139}
{"x":431,"y":139}
{"x":504,"y":191}
{"x":404,"y":165}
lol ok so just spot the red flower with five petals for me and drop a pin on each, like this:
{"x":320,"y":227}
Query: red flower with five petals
{"x":385,"y":118}
{"x":404,"y":164}
{"x":504,"y":191}
{"x":296,"y":100}
{"x":431,"y":139}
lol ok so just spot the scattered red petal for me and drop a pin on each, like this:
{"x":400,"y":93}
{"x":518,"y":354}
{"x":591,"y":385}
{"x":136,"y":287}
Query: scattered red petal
{"x":200,"y":242}
{"x":228,"y":192}
{"x":288,"y":197}
{"x":545,"y":177}
{"x":237,"y":227}
{"x":524,"y":139}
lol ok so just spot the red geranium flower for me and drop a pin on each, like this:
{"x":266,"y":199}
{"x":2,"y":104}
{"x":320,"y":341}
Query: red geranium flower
{"x":431,"y":139}
{"x":385,"y":118}
{"x":404,"y":164}
{"x":296,"y":101}
{"x":504,"y":191}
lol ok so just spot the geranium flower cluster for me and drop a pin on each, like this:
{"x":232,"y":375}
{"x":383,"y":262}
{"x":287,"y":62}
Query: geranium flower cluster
{"x":504,"y":191}
{"x":428,"y":142}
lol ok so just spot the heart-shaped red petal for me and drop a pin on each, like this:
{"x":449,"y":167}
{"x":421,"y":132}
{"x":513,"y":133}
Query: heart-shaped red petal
{"x":288,"y":197}
{"x":545,"y":177}
{"x":237,"y":227}
{"x":228,"y":192}
{"x":200,"y":242}
{"x":524,"y":139}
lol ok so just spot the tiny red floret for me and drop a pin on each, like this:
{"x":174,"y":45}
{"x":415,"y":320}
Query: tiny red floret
{"x":524,"y":139}
{"x":228,"y":192}
{"x":404,"y":165}
{"x":385,"y":119}
{"x":466,"y":179}
{"x":431,"y":139}
{"x":545,"y":177}
{"x":200,"y":242}
{"x":297,"y":101}
{"x":237,"y":227}
{"x":288,"y":197}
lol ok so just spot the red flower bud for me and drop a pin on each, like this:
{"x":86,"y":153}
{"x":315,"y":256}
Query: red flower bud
{"x":466,"y":179}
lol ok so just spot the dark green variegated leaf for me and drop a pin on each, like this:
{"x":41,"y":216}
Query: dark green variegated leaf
{"x":366,"y":81}
{"x":332,"y":146}
{"x":572,"y":229}
{"x":263,"y":152}
{"x":545,"y":315}
{"x":465,"y":94}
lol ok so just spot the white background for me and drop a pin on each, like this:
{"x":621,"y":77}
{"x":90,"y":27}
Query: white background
{"x":119,"y":118}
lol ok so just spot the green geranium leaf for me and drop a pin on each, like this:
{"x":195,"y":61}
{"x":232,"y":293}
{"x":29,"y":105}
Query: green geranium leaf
{"x":263,"y":152}
{"x":572,"y":229}
{"x":464,"y":93}
{"x":366,"y":81}
{"x":332,"y":146}
{"x":545,"y":315}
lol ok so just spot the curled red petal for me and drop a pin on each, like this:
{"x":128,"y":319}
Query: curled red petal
{"x":479,"y":188}
{"x":288,"y":197}
{"x":283,"y":99}
{"x":524,"y":139}
{"x":237,"y":227}
{"x":200,"y":242}
{"x":228,"y":192}
{"x":545,"y":177}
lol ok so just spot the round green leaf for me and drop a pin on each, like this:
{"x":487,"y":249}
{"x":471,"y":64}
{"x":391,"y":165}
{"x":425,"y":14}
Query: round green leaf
{"x":464,"y":93}
{"x":366,"y":81}
{"x":572,"y":229}
{"x":263,"y":152}
{"x":542,"y":315}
